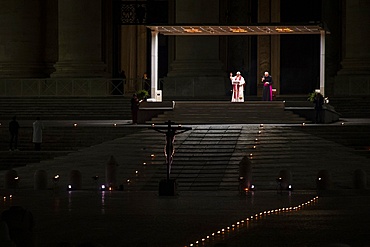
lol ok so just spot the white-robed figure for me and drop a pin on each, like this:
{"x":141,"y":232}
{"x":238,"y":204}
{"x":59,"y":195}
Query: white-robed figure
{"x":37,"y":133}
{"x":238,"y":83}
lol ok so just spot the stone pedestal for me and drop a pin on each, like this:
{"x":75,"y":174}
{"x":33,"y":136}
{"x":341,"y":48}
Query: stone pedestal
{"x":80,"y":56}
{"x":167,"y":187}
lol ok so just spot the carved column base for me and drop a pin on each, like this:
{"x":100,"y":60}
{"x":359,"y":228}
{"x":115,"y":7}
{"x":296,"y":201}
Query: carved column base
{"x":353,"y":79}
{"x":22,"y":70}
{"x":80,"y":69}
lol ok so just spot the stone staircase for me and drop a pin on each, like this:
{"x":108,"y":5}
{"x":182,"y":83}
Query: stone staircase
{"x":57,"y":141}
{"x":357,"y":137}
{"x":57,"y":108}
{"x":207,"y":159}
{"x":352,"y":107}
{"x":223,"y":112}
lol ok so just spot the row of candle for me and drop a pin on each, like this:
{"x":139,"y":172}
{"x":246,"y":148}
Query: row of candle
{"x":232,"y":229}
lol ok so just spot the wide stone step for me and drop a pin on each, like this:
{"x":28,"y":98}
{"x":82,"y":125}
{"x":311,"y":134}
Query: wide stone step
{"x":226,"y":112}
{"x":65,"y":108}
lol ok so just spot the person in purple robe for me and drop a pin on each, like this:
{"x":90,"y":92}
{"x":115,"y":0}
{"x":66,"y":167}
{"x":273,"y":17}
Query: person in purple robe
{"x":267,"y":87}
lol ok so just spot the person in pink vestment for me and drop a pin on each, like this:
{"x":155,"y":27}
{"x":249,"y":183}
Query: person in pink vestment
{"x":267,"y":87}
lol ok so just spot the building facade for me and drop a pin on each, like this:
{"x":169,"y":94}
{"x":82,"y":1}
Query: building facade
{"x":66,"y":47}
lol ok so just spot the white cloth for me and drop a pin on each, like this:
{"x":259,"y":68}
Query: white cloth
{"x":238,"y":83}
{"x":37,"y":131}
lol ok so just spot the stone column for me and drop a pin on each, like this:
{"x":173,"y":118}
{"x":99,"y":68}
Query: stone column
{"x":263,"y":44}
{"x":354,"y":77}
{"x":21,"y":40}
{"x":268,"y":46}
{"x":275,"y":46}
{"x":80,"y":39}
{"x":133,"y":55}
{"x":196,"y":70}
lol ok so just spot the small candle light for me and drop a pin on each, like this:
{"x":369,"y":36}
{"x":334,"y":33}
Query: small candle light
{"x":56,"y":178}
{"x":136,"y":172}
{"x":75,"y":125}
{"x":303,"y":124}
{"x":115,"y":125}
{"x":254,"y":147}
{"x":259,"y":132}
{"x":153,"y":125}
{"x":152,"y":156}
{"x":128,"y":181}
{"x":144,"y":163}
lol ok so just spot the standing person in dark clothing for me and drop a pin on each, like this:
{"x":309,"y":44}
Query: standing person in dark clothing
{"x":319,"y":102}
{"x":134,"y":108}
{"x":13,"y":129}
{"x":267,"y":87}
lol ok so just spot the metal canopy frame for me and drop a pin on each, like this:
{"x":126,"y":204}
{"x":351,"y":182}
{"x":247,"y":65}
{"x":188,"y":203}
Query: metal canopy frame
{"x":219,"y":30}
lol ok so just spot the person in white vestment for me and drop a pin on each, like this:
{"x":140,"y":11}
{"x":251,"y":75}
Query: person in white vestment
{"x":37,"y":133}
{"x":238,"y":84}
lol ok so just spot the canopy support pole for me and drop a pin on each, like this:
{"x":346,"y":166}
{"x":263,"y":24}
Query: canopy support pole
{"x":154,"y":63}
{"x":322,"y":62}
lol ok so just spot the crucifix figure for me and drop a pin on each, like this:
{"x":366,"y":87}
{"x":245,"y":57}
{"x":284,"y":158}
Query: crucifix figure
{"x":169,"y":150}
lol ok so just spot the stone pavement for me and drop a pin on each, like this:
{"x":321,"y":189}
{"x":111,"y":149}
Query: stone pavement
{"x":142,"y":218}
{"x":138,"y":217}
{"x":127,"y":219}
